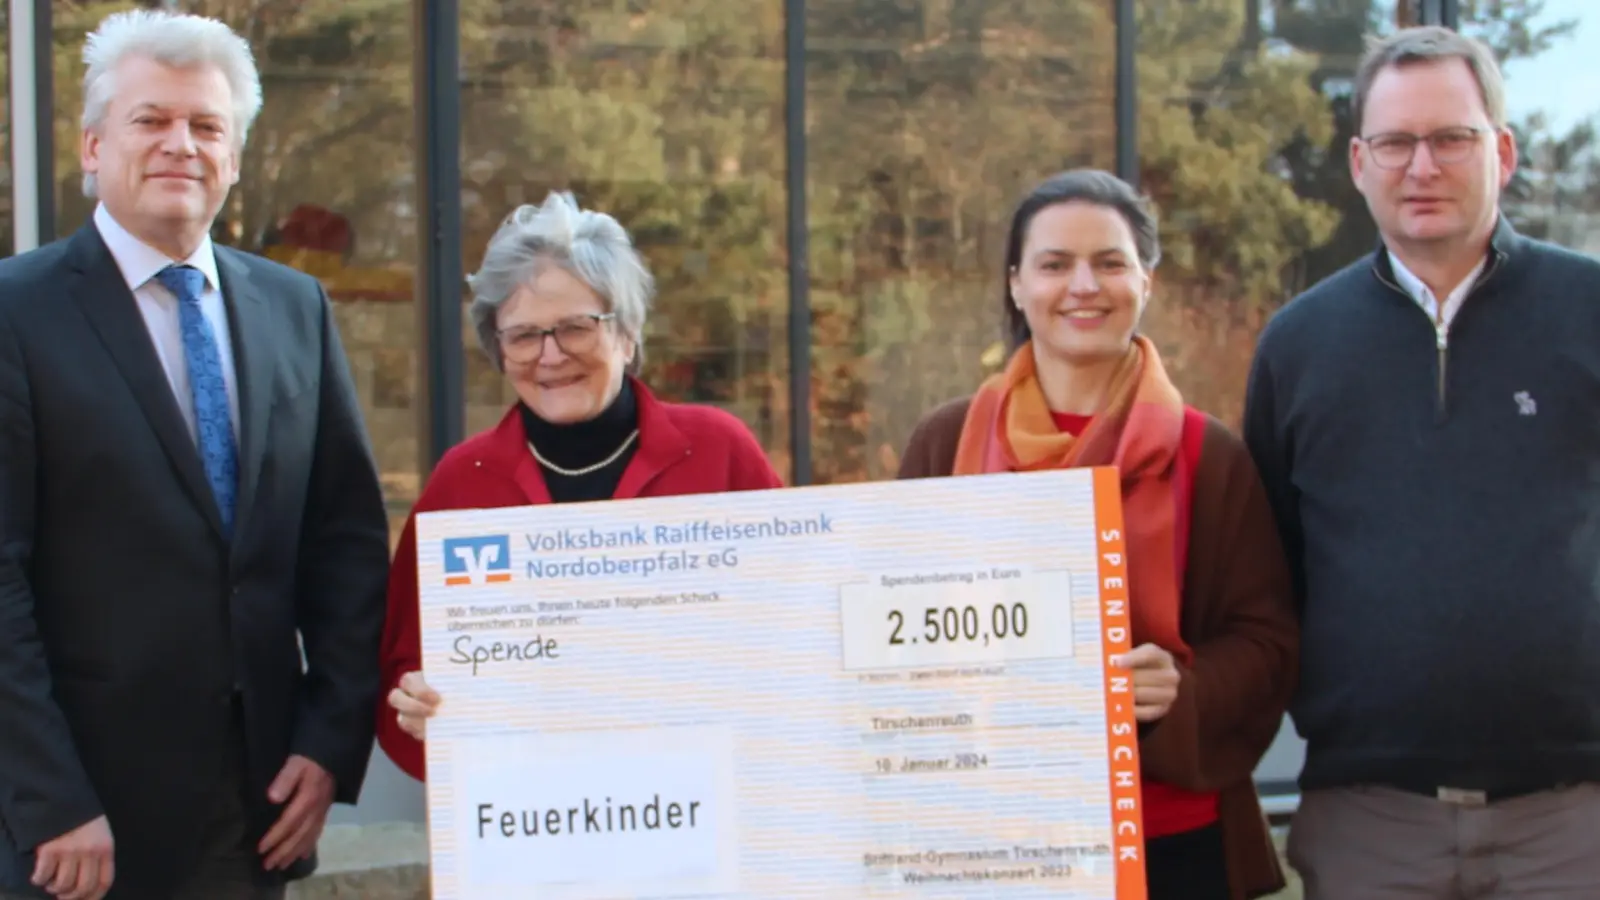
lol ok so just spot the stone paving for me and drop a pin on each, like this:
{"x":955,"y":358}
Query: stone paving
{"x":387,"y":861}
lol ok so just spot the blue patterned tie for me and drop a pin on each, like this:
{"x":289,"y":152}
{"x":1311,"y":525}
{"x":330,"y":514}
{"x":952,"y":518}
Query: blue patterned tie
{"x":206,"y":386}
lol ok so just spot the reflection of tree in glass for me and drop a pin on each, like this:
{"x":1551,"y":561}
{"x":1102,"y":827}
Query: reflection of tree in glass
{"x":335,"y":129}
{"x":1556,"y":192}
{"x":926,"y":120}
{"x":326,"y":179}
{"x":1241,"y":273}
{"x":1224,"y":100}
{"x":669,"y":117}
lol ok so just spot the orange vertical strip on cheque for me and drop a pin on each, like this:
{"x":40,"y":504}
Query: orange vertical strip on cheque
{"x":1122,"y":729}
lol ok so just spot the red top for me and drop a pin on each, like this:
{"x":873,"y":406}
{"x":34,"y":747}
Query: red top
{"x":1167,"y":809}
{"x":683,"y":449}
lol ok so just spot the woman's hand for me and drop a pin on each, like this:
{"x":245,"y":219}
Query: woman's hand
{"x":1155,"y":680}
{"x":414,"y":703}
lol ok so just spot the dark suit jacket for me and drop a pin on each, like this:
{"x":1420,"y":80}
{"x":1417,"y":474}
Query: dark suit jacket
{"x":127,"y":622}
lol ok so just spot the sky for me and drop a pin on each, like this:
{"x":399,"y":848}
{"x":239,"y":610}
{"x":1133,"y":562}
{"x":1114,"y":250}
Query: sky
{"x":1564,"y":81}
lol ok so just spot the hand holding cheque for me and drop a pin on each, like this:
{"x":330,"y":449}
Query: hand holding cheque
{"x":414,"y":703}
{"x":1155,"y":680}
{"x":898,"y":689}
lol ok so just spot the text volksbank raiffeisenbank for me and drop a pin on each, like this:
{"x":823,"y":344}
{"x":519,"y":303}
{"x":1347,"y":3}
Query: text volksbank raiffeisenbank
{"x":680,"y":547}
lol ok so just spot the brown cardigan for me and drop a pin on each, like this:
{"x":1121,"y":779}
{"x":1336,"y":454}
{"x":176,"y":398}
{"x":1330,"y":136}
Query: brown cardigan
{"x":1238,"y":618}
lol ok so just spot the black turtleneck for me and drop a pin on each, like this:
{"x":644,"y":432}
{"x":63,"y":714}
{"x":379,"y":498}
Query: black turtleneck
{"x":582,"y":444}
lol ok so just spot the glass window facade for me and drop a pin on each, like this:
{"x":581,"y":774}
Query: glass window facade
{"x":913,"y":125}
{"x":1553,"y":101}
{"x":670,"y":117}
{"x":325,"y":187}
{"x":1243,"y":135}
{"x":926,"y":121}
{"x":898,"y":133}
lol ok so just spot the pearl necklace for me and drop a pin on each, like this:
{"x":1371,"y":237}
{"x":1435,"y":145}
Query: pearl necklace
{"x":573,"y":473}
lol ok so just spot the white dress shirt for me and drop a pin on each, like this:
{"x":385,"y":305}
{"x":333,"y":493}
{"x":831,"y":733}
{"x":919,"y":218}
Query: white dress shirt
{"x":139,"y":263}
{"x":1424,"y":294}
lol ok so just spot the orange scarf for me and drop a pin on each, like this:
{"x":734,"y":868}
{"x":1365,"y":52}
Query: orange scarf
{"x":1009,"y":429}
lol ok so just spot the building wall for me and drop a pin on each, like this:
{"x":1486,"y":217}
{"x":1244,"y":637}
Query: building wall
{"x":924,"y":121}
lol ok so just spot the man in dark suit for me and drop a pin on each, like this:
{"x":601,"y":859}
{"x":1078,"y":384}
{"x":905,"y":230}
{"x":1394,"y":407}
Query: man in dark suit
{"x":193,"y":544}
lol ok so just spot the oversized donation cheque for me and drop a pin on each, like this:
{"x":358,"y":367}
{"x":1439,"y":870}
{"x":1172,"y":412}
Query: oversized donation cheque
{"x":891,"y":690}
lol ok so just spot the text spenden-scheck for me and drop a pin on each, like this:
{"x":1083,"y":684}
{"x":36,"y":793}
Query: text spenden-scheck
{"x":589,"y":818}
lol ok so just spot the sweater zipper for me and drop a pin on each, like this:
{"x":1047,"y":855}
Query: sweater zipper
{"x":1441,"y":329}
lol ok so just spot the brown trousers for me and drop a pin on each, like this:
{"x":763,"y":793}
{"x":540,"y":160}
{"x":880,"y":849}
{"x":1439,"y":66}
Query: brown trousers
{"x":1373,"y":843}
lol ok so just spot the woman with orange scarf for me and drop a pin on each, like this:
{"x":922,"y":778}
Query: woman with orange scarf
{"x":1215,"y":637}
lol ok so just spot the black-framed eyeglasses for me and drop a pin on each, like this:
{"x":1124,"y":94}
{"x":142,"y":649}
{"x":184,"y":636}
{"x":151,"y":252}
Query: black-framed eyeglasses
{"x":1396,"y":149}
{"x":575,"y":335}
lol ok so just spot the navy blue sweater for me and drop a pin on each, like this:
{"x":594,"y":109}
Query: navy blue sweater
{"x":1440,"y":502}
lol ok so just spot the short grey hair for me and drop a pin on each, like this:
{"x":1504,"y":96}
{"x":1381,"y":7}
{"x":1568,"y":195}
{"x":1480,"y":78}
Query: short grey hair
{"x":173,"y":39}
{"x":592,"y":246}
{"x":1426,"y":44}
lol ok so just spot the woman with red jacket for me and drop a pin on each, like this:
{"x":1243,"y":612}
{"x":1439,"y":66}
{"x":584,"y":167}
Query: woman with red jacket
{"x":559,"y":306}
{"x":1216,"y":640}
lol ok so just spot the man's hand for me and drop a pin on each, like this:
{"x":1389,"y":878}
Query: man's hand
{"x":308,"y":790}
{"x":1155,"y":680}
{"x":78,"y":864}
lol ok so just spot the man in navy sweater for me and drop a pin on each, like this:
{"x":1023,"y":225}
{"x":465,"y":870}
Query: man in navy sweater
{"x":1427,"y":422}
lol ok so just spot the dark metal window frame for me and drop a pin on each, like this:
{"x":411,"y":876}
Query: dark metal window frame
{"x":1126,"y":92}
{"x":44,"y":103}
{"x":41,"y":84}
{"x":441,"y":401}
{"x":441,"y":386}
{"x":794,"y":124}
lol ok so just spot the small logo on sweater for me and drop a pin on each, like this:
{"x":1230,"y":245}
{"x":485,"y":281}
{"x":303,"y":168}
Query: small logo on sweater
{"x":1526,"y":405}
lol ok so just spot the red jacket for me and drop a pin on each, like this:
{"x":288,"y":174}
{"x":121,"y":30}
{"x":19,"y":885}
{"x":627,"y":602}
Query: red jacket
{"x":683,"y":449}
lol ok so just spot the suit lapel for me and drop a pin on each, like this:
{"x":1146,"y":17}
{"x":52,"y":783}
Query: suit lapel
{"x":100,"y":291}
{"x":249,"y":318}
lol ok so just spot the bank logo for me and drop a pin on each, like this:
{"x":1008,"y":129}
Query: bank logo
{"x":477,"y":560}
